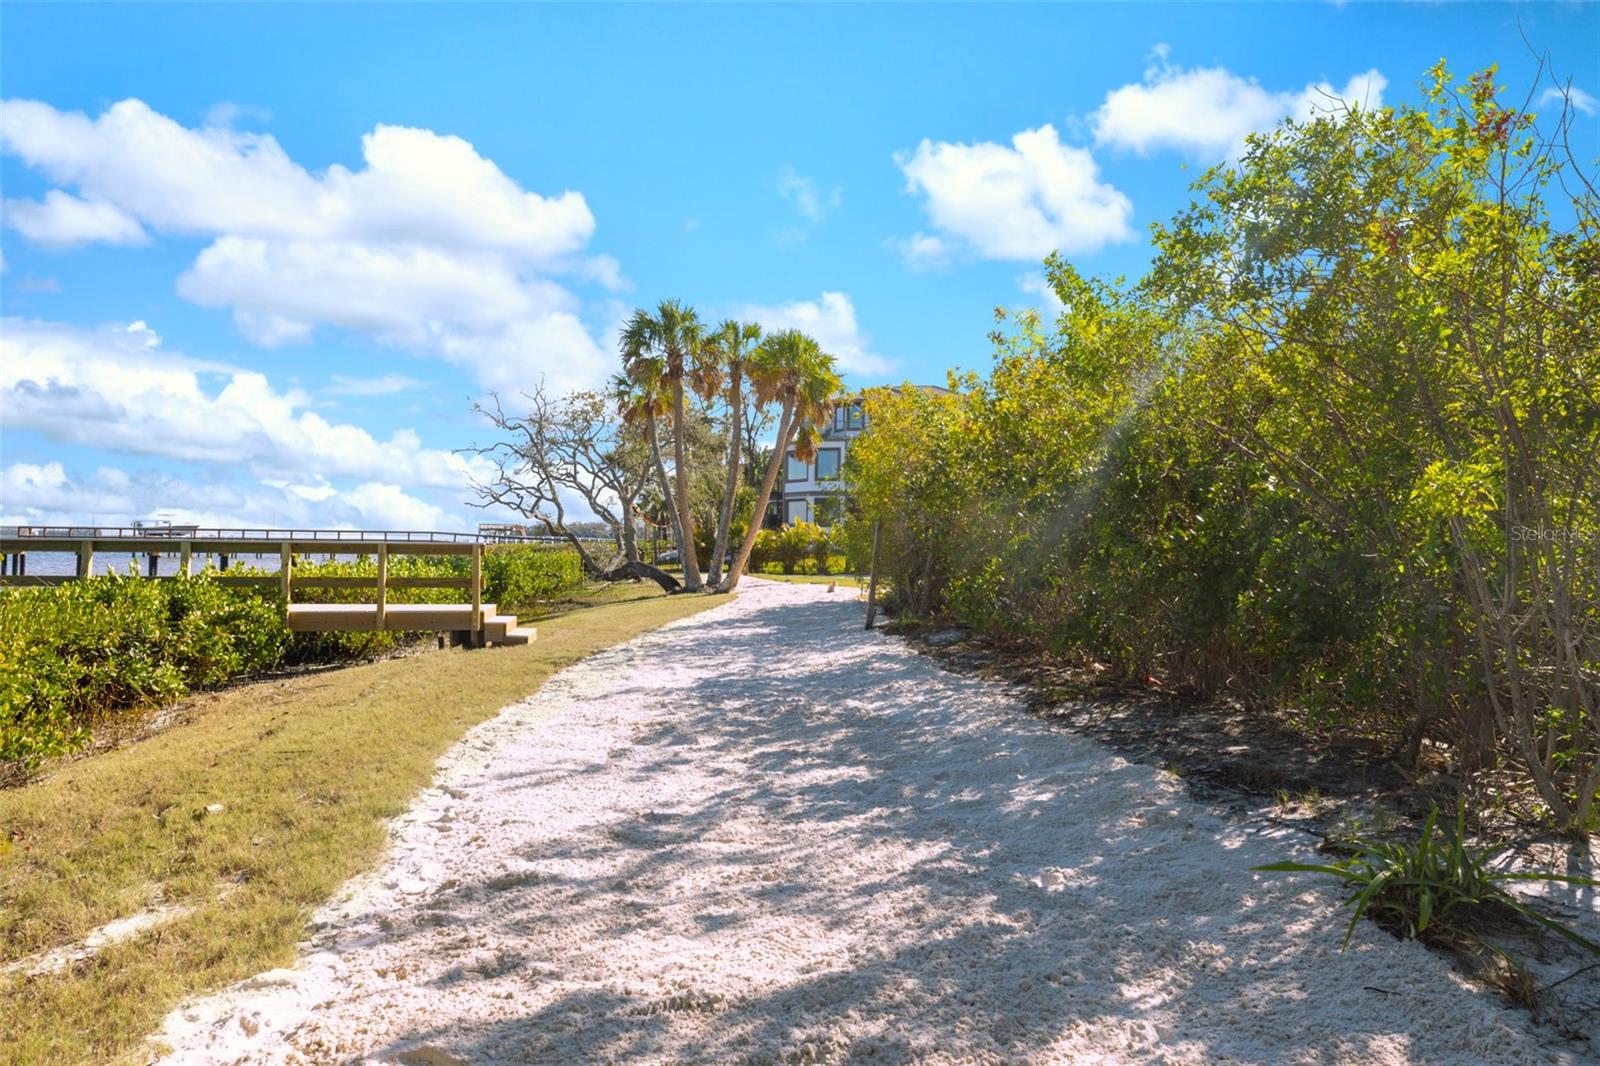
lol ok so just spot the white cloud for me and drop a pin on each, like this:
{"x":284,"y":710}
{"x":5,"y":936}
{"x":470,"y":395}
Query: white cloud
{"x":382,"y":385}
{"x":923,"y":251}
{"x":116,"y":389}
{"x":47,"y":494}
{"x":1579,"y":99}
{"x":555,"y":348}
{"x":417,"y":186}
{"x":1021,"y":201}
{"x":62,"y":220}
{"x":812,"y":203}
{"x":385,"y":506}
{"x":1207,"y":111}
{"x":406,"y":295}
{"x":35,"y":493}
{"x":429,"y":245}
{"x":831,"y":321}
{"x":1036,"y":284}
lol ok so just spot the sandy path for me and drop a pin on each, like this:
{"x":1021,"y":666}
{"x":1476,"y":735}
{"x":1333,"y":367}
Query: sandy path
{"x":763,"y":835}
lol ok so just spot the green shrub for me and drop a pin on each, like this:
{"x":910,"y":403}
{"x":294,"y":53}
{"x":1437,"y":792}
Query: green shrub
{"x":73,"y":653}
{"x":764,"y":553}
{"x":520,"y":575}
{"x":821,"y":550}
{"x":799,"y":543}
{"x":1333,"y":455}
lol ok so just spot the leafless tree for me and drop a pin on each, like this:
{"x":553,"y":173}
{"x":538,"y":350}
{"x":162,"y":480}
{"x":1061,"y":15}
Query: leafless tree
{"x":570,"y":444}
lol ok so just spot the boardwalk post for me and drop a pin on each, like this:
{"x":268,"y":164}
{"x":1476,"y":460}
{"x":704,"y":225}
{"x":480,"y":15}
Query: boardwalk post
{"x":872,"y":582}
{"x":285,"y":561}
{"x":86,"y":558}
{"x":383,"y":583}
{"x":186,"y":559}
{"x":477,"y":593}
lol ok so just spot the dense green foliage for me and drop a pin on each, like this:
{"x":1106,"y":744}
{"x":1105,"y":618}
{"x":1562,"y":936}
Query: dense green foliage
{"x":519,"y":576}
{"x":1337,"y":453}
{"x":799,"y":548}
{"x":73,"y":653}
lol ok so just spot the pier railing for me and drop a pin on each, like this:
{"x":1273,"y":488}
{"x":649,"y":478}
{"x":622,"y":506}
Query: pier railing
{"x":283,"y":544}
{"x":34,"y":534}
{"x":473,"y":623}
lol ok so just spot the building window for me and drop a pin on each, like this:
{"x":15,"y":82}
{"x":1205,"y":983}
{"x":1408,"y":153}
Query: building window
{"x":794,"y":511}
{"x":828,"y":464}
{"x":858,"y":417}
{"x":797,"y":470}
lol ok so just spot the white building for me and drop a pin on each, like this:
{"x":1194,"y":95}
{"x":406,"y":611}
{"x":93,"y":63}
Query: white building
{"x":815,"y":491}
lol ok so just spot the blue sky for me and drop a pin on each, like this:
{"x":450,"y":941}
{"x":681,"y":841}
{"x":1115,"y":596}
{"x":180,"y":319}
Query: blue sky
{"x":259,"y":259}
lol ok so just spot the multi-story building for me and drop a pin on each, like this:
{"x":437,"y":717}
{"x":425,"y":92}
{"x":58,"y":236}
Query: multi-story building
{"x":815,"y":491}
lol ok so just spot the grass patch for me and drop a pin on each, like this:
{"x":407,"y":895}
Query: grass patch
{"x":307,"y":770}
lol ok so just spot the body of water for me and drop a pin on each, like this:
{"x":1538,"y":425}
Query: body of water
{"x":60,"y":564}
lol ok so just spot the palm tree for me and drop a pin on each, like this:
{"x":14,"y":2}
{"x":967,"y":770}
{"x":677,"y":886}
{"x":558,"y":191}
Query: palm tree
{"x":729,"y":347}
{"x":792,"y":368}
{"x":641,"y":399}
{"x":673,"y":337}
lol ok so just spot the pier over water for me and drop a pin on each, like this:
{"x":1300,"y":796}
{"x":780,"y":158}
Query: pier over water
{"x":471,"y":622}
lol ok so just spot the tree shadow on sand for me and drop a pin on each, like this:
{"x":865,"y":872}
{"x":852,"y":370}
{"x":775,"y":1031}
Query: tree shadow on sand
{"x":889,"y":863}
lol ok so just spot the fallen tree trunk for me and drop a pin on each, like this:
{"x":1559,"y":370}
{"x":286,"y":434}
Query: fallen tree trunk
{"x":638,"y":570}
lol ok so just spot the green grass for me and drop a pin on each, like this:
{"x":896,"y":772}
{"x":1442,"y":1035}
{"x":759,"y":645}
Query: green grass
{"x":307,"y":768}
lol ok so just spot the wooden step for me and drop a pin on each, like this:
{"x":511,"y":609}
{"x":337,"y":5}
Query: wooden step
{"x":344,"y":617}
{"x":503,"y":629}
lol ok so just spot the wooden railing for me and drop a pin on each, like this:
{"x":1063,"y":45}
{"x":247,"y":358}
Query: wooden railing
{"x":84,"y":542}
{"x":231,"y":535}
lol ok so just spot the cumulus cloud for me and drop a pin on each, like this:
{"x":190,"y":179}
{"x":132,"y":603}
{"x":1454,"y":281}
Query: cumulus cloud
{"x":428,"y":245}
{"x":417,"y":186}
{"x":831,"y":320}
{"x":117,"y":389}
{"x":404,"y":294}
{"x":1208,"y":111}
{"x":62,"y":220}
{"x":1017,"y":201}
{"x":48,"y":494}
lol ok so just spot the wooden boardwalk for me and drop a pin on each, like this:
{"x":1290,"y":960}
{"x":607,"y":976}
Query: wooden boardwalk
{"x":472,"y":622}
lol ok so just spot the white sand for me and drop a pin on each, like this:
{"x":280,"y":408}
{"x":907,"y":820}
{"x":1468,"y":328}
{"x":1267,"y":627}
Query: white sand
{"x":764,"y":835}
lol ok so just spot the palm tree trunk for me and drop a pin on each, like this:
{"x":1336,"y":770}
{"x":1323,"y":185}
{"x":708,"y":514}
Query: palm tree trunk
{"x":735,"y":450}
{"x":663,"y":483}
{"x":691,"y":564}
{"x":780,"y":450}
{"x":630,"y":539}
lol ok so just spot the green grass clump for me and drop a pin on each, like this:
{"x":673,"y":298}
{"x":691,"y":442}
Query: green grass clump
{"x":1437,"y":889}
